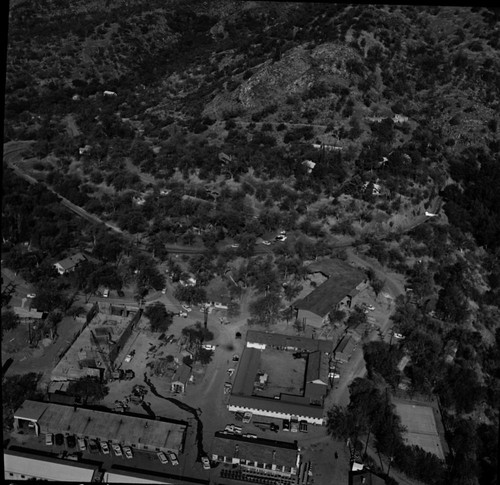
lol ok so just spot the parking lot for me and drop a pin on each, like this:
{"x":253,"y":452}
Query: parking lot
{"x":141,"y":460}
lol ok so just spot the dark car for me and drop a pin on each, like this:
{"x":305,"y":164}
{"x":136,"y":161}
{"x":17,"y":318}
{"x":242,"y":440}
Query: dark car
{"x":120,"y":293}
{"x":70,"y":441}
{"x":286,"y":425}
{"x":59,"y":439}
{"x":93,"y":447}
{"x":238,"y":416}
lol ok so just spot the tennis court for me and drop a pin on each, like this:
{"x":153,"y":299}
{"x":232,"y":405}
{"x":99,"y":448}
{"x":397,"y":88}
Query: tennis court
{"x":421,"y":427}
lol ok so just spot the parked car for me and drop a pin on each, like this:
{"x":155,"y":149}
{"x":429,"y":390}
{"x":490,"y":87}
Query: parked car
{"x":208,"y":347}
{"x":266,"y":243}
{"x":164,"y":291}
{"x":235,"y":358}
{"x":280,"y":238}
{"x":398,"y":335}
{"x":49,"y":439}
{"x":183,"y":314}
{"x":120,"y":293}
{"x":105,"y":293}
{"x":294,"y":425}
{"x":70,"y":441}
{"x":173,"y":458}
{"x":247,"y":417}
{"x":230,"y":372}
{"x":250,"y":435}
{"x":286,"y":425}
{"x":104,"y":447}
{"x":59,"y":439}
{"x":117,"y":449}
{"x":162,"y":457}
{"x":81,"y":444}
{"x":303,"y":426}
{"x":170,"y":338}
{"x":31,"y":295}
{"x":233,"y":428}
{"x":128,"y":358}
{"x":205,"y":462}
{"x":187,"y":308}
{"x":93,"y":447}
{"x":238,"y":416}
{"x":128,"y":452}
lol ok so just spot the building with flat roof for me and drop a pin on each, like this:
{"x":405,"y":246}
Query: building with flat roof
{"x":139,"y":432}
{"x":338,"y":292}
{"x":256,"y":460}
{"x":273,"y":381}
{"x":25,"y":466}
{"x":127,"y":474}
{"x":261,"y":340}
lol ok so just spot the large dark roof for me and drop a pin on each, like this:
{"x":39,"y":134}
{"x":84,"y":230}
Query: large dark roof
{"x":248,"y":367}
{"x":280,"y":340}
{"x":333,"y":267}
{"x":278,"y":405}
{"x":342,"y":280}
{"x":281,"y":453}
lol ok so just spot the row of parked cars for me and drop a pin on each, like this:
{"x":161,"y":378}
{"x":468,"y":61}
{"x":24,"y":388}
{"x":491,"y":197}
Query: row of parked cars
{"x":93,"y":446}
{"x":166,"y":458}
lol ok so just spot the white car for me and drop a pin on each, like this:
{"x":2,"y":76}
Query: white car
{"x":235,"y":246}
{"x":49,"y":439}
{"x":187,"y":308}
{"x":104,"y":447}
{"x":164,"y":291}
{"x":398,"y":335}
{"x":208,"y":347}
{"x":232,"y":428}
{"x":128,"y":452}
{"x":128,"y":358}
{"x":370,"y":307}
{"x":162,"y":457}
{"x":206,"y":463}
{"x":173,"y":458}
{"x":266,"y":243}
{"x":280,"y":238}
{"x":81,"y":444}
{"x":31,"y":295}
{"x":117,"y":449}
{"x":105,"y":293}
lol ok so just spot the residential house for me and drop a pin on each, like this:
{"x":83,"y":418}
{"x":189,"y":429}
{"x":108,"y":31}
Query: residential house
{"x":109,"y":93}
{"x":309,"y":164}
{"x":181,"y":378}
{"x":70,"y":263}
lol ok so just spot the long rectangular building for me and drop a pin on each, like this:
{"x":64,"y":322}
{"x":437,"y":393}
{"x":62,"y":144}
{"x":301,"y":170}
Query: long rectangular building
{"x":26,"y":466}
{"x":135,"y":431}
{"x":256,"y":459}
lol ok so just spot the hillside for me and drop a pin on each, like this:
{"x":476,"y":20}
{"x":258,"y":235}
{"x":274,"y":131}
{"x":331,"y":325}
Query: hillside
{"x":214,"y":126}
